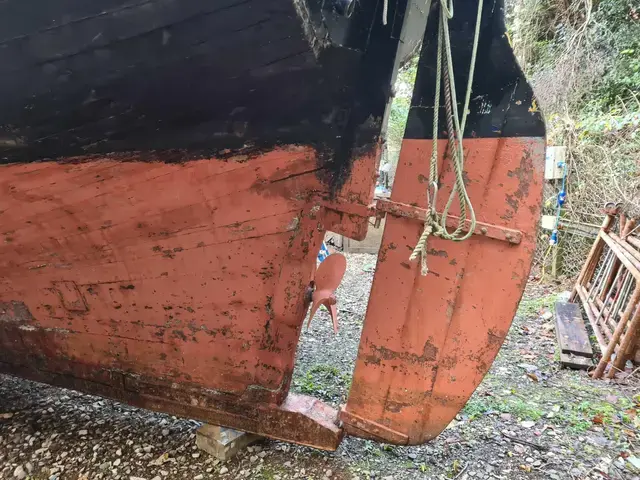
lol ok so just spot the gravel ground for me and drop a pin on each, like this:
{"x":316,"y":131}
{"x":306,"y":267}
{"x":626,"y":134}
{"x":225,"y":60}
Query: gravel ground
{"x":527,"y":420}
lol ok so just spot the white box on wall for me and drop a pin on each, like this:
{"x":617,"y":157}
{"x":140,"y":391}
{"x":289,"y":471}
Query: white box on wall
{"x":548,"y":222}
{"x":554,"y":157}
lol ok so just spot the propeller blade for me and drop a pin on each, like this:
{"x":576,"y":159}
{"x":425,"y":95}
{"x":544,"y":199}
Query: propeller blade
{"x":326,"y":298}
{"x":327,"y":279}
{"x":330,"y":272}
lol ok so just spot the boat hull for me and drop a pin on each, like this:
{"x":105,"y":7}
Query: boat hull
{"x":162,"y":204}
{"x":178,"y":287}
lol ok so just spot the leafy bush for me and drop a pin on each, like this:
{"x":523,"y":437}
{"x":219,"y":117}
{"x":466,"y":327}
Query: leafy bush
{"x":583,"y":58}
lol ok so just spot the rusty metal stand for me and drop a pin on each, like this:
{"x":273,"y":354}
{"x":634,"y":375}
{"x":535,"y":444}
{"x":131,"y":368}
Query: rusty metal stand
{"x":223,"y":443}
{"x":609,"y":288}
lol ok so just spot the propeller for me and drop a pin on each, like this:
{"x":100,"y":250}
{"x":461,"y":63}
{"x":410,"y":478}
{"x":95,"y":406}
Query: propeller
{"x":327,"y":278}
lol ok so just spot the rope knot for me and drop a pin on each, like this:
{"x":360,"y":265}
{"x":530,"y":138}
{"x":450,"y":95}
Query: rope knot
{"x":420,"y":250}
{"x":455,"y":130}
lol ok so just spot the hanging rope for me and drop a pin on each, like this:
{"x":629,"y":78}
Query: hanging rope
{"x":385,"y":11}
{"x":455,"y":129}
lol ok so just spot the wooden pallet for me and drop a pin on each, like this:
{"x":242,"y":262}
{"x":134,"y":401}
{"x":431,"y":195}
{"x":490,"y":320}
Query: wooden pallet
{"x":572,"y":336}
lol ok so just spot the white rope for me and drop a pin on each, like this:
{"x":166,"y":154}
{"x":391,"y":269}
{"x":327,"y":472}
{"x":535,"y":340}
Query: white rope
{"x":385,"y":11}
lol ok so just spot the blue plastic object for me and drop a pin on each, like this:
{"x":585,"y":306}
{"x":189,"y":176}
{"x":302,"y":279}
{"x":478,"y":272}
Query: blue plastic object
{"x":562,"y":196}
{"x":323,"y":253}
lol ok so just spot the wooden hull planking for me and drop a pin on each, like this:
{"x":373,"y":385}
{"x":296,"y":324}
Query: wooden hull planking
{"x":168,"y":173}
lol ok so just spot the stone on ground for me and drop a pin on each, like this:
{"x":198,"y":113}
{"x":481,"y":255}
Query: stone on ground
{"x":223,"y":443}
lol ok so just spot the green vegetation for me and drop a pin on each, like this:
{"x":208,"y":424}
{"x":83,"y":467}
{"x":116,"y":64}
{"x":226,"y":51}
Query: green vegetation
{"x":323,"y":381}
{"x":476,"y":407}
{"x":594,"y":46}
{"x":400,"y":110}
{"x":581,"y":416}
{"x":401,"y":103}
{"x":519,"y":408}
{"x":583,"y":59}
{"x":454,"y":469}
{"x":362,"y":469}
{"x":267,"y":474}
{"x":532,"y":307}
{"x":591,"y":407}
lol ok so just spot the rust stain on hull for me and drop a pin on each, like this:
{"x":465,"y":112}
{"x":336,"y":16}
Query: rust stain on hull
{"x":183,"y":288}
{"x":192,"y":276}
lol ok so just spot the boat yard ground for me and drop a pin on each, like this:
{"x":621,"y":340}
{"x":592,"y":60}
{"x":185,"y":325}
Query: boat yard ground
{"x":529,"y":419}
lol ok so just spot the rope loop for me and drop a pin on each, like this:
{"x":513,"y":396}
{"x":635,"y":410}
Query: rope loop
{"x":447,"y":8}
{"x":455,"y":130}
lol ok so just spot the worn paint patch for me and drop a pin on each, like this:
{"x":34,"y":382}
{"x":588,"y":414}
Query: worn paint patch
{"x":15,"y":312}
{"x":379,"y":353}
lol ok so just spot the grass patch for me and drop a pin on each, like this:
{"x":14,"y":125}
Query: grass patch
{"x":361,"y":469}
{"x":267,"y":474}
{"x":454,"y":469}
{"x":531,"y":307}
{"x":323,"y":381}
{"x":522,"y":409}
{"x":581,"y":416}
{"x":519,"y":408}
{"x":476,"y":407}
{"x":588,"y":407}
{"x":577,"y":417}
{"x":270,"y":472}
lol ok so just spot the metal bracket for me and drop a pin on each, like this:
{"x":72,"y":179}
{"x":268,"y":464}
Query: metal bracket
{"x":383,"y":206}
{"x":404,"y":210}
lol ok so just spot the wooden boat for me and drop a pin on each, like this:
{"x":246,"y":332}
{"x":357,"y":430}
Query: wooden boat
{"x":168,"y":170}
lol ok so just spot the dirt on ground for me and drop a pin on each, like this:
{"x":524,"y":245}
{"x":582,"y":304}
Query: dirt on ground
{"x":529,"y":419}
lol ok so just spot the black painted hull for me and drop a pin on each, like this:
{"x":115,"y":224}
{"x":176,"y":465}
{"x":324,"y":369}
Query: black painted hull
{"x":192,"y":77}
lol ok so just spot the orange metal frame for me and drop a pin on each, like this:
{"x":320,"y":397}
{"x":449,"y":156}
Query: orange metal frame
{"x":609,"y":289}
